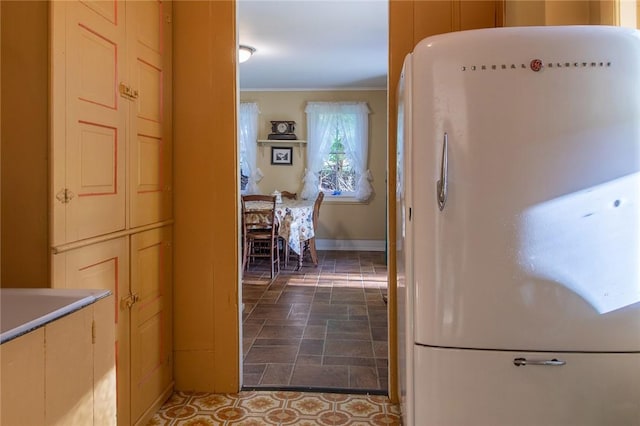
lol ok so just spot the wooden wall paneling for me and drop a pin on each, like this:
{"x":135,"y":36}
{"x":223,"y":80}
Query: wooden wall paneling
{"x":552,"y":12}
{"x":479,"y":14}
{"x":206,"y":231}
{"x":607,"y":12}
{"x":524,"y":13}
{"x":575,"y":12}
{"x":432,"y":17}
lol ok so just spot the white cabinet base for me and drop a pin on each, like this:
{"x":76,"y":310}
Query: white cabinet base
{"x":457,"y":387}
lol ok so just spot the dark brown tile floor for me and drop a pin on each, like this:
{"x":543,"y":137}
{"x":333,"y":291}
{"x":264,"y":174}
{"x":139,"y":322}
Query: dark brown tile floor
{"x":321,"y":327}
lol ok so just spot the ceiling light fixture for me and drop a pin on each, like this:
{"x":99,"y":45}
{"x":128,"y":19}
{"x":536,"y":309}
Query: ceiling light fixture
{"x":244,"y":53}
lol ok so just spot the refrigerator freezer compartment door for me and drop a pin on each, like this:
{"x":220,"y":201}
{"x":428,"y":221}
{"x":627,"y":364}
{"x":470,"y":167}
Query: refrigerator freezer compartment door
{"x":458,"y":387}
{"x":538,"y":245}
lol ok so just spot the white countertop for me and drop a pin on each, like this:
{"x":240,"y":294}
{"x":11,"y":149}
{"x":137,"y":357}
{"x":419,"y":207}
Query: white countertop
{"x":25,"y":309}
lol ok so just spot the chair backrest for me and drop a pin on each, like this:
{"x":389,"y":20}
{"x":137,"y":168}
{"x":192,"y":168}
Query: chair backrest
{"x":316,"y":208}
{"x":290,"y":195}
{"x":258,"y":212}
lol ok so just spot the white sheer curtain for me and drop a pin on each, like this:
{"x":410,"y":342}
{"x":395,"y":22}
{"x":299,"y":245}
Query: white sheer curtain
{"x":350,"y":119}
{"x":248,"y":135}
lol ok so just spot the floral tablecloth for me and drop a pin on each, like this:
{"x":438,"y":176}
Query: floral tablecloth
{"x":295,"y":218}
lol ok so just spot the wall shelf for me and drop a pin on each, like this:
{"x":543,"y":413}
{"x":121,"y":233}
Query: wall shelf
{"x":298,"y":142}
{"x":295,"y":142}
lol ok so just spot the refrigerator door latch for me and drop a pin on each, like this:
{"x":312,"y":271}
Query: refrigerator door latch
{"x":441,"y":185}
{"x":520,"y":362}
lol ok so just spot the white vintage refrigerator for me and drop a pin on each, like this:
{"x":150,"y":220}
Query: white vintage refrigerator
{"x":519,"y":229}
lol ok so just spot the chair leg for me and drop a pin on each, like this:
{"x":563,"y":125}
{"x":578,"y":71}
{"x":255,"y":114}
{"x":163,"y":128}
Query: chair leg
{"x":312,"y":249}
{"x":275,"y":257}
{"x":286,"y":254}
{"x":277,"y":260}
{"x":283,"y":251}
{"x":245,"y":255}
{"x":271,"y":257}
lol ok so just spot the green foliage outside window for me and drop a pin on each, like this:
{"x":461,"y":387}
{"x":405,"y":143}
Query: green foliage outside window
{"x":338,"y":175}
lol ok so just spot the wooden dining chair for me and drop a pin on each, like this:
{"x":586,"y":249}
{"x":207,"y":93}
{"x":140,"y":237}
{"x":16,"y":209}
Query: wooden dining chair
{"x":309,"y":245}
{"x":260,"y":231}
{"x":311,"y":242}
{"x":289,"y":195}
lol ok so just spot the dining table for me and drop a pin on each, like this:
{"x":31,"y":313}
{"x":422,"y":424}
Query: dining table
{"x":295,"y":222}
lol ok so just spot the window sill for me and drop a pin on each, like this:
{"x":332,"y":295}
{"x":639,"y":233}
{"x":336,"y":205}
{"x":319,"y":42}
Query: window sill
{"x":341,"y":199}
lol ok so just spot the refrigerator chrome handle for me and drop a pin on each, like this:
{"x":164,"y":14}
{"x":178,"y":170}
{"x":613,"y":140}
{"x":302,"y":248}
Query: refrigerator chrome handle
{"x":518,"y":362}
{"x":441,"y":185}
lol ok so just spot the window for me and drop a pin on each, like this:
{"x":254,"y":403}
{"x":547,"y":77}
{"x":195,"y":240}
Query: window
{"x":250,"y":174}
{"x":337,"y":150}
{"x":338,"y":174}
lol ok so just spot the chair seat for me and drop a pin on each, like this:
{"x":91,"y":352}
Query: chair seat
{"x":259,"y":235}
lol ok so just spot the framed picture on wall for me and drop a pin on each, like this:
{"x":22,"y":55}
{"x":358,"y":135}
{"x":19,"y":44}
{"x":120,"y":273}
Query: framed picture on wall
{"x":281,"y":155}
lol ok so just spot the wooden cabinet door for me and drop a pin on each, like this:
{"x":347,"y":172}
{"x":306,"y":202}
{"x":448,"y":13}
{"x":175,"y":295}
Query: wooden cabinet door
{"x":104,"y":266}
{"x":104,"y":359}
{"x":88,"y":119}
{"x":149,"y":68}
{"x":22,"y":380}
{"x":69,"y":353}
{"x":151,"y":337}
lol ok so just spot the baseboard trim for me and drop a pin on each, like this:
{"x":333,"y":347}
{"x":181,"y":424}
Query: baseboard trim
{"x":348,"y":245}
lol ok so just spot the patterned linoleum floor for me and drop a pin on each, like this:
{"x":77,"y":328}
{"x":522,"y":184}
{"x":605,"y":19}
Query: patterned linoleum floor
{"x":319,"y":328}
{"x":258,"y":408}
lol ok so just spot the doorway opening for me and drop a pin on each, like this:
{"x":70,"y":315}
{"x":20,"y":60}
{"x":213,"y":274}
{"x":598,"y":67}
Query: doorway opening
{"x":319,"y":327}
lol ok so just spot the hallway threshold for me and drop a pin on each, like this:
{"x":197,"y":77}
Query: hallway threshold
{"x":312,"y":389}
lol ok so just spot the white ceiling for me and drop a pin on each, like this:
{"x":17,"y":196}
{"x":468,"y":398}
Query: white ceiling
{"x":314,"y":44}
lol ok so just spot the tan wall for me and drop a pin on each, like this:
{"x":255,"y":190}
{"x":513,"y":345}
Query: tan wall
{"x":337,"y":221}
{"x":25,"y":140}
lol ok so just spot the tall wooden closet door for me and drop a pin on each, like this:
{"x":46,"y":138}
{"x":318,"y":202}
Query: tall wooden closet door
{"x":151,"y":337}
{"x":149,"y":61}
{"x":88,"y":122}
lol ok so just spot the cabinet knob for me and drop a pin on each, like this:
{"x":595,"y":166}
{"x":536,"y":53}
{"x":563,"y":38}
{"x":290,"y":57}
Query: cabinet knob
{"x":64,"y":196}
{"x":130,"y":300}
